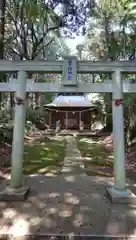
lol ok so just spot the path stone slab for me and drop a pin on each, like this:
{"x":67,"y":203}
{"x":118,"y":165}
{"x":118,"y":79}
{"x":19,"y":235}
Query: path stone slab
{"x":71,"y":205}
{"x":20,"y":219}
{"x":122,"y":221}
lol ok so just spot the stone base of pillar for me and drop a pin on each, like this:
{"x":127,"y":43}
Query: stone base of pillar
{"x":13,"y":194}
{"x":121,"y":197}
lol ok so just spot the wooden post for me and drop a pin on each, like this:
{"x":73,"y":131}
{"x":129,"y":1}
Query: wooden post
{"x":80,"y":115}
{"x":50,"y":119}
{"x":66,"y":120}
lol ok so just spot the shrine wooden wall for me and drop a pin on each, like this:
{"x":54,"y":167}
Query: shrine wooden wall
{"x":73,"y":118}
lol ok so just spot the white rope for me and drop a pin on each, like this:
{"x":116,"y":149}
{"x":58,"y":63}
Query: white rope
{"x":85,"y":110}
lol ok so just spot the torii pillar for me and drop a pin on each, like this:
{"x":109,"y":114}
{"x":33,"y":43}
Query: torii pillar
{"x":119,"y":192}
{"x":17,"y":189}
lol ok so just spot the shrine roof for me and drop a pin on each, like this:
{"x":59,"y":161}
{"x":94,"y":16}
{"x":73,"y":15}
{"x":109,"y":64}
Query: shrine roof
{"x":70,"y":101}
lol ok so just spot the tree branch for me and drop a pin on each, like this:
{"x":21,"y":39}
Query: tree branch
{"x":33,"y":35}
{"x":35,"y":46}
{"x":43,"y":46}
{"x":24,"y":34}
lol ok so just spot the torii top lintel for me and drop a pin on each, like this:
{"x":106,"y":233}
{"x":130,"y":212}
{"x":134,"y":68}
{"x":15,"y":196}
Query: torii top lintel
{"x":60,"y":66}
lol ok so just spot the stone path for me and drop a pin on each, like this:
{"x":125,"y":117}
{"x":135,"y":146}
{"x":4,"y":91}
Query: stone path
{"x":70,"y":203}
{"x":73,"y":162}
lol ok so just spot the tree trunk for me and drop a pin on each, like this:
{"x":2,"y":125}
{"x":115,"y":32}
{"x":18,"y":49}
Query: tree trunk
{"x":37,"y":99}
{"x":131,"y":128}
{"x":2,"y":31}
{"x":108,"y":110}
{"x":2,"y":27}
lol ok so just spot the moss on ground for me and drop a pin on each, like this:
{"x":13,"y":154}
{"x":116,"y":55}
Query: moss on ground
{"x":97,"y":159}
{"x":43,"y":156}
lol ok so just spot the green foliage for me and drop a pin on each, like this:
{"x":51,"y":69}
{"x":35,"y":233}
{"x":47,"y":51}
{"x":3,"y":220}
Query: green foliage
{"x":30,"y":26}
{"x":33,"y":115}
{"x":6,"y":133}
{"x":127,"y":98}
{"x":111,"y":35}
{"x":57,"y":49}
{"x":6,"y":124}
{"x":28,"y":127}
{"x":5,"y":115}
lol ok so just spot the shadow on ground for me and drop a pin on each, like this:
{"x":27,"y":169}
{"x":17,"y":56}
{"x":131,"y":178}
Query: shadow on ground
{"x":67,"y":204}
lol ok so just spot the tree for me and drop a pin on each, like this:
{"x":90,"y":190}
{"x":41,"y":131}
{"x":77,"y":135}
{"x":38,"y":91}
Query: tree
{"x":32,"y":24}
{"x":32,"y":32}
{"x":109,"y":39}
{"x":29,"y":25}
{"x":2,"y":28}
{"x":2,"y":33}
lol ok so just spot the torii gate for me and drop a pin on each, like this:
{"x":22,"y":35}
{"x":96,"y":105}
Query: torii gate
{"x":69,"y":68}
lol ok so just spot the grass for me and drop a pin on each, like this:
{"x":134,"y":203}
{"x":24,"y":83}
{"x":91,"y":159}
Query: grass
{"x":43,"y":156}
{"x":97,"y":158}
